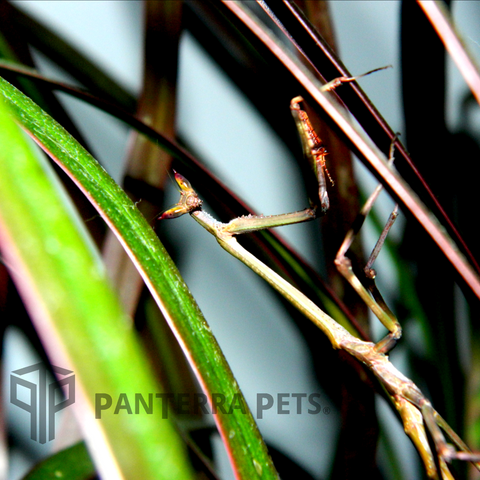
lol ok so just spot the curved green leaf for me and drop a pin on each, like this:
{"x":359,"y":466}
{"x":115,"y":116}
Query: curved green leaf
{"x":237,"y":427}
{"x":77,"y":314}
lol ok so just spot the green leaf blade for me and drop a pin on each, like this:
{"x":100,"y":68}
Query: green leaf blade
{"x":246,"y":448}
{"x":78,"y":316}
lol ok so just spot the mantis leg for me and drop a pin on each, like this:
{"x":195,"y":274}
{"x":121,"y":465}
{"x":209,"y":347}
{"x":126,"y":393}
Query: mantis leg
{"x":372,"y":296}
{"x":413,"y":425}
{"x":336,"y":82}
{"x":464,"y":452}
{"x":435,"y":423}
{"x":313,"y":149}
{"x":190,"y":202}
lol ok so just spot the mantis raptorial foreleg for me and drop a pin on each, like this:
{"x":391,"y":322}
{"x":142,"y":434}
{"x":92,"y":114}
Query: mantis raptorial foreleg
{"x":313,"y":148}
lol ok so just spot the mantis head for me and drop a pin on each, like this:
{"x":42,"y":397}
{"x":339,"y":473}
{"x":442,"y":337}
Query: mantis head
{"x":189,"y":200}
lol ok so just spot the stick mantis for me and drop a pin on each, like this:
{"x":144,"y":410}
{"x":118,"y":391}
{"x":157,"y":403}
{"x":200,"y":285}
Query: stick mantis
{"x":416,"y":411}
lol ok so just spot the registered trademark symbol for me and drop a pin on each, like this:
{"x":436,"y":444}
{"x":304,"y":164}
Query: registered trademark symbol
{"x":326,"y":410}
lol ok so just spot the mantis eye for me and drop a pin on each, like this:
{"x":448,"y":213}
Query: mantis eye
{"x":183,"y":183}
{"x":174,"y":212}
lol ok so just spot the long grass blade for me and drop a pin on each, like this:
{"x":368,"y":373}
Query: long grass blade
{"x":76,"y":313}
{"x":440,"y":19}
{"x":248,"y":453}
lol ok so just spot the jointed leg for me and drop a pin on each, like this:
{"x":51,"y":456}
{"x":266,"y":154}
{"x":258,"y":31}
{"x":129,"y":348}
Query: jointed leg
{"x":314,"y":151}
{"x":464,"y":452}
{"x":373,"y":298}
{"x":313,"y":147}
{"x":190,"y":201}
{"x":336,"y":82}
{"x":412,"y":420}
{"x":435,"y":423}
